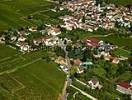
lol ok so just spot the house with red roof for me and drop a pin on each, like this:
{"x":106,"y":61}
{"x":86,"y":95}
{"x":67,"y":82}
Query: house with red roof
{"x":92,"y":42}
{"x":125,"y":87}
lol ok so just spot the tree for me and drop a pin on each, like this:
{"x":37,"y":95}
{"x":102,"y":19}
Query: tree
{"x":113,"y":71}
{"x":40,"y":27}
{"x":87,"y":54}
{"x":76,"y":75}
{"x":69,"y":48}
{"x":108,"y":69}
{"x":120,"y":69}
{"x":83,"y":19}
{"x":130,"y":60}
{"x":59,"y":52}
{"x":98,"y":2}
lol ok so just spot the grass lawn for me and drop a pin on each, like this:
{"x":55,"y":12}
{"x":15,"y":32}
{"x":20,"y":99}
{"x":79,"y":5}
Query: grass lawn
{"x":28,"y":77}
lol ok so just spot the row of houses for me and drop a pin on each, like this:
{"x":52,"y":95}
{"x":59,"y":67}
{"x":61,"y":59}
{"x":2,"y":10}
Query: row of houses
{"x":48,"y":37}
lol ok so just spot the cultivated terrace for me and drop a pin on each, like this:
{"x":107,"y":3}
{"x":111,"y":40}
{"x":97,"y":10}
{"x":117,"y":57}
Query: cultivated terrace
{"x":96,"y":66}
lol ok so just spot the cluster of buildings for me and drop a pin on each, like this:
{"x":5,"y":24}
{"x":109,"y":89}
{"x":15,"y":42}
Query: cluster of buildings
{"x":90,"y":16}
{"x":48,"y":37}
{"x":104,"y":50}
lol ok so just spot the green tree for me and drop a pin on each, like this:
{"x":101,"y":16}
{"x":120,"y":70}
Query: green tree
{"x":59,"y":52}
{"x":83,"y":19}
{"x":130,"y":60}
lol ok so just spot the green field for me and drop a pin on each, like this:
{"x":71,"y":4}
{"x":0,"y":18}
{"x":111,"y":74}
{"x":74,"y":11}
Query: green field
{"x":119,"y":2}
{"x":6,"y":52}
{"x":28,"y":77}
{"x":14,"y":13}
{"x":124,"y":44}
{"x":122,"y":52}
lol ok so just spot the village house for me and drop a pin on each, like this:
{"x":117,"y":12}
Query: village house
{"x":24,"y":47}
{"x":53,"y":41}
{"x":115,"y":60}
{"x":77,"y":62}
{"x":124,"y":87}
{"x":64,"y":68}
{"x":38,"y":41}
{"x":80,"y":70}
{"x":2,"y":39}
{"x":94,"y":83}
{"x":86,"y":65}
{"x":92,"y":42}
{"x":54,"y":31}
{"x":62,"y":64}
{"x":60,"y":60}
{"x":13,"y":38}
{"x":33,"y":29}
{"x":47,"y":41}
{"x":21,"y":39}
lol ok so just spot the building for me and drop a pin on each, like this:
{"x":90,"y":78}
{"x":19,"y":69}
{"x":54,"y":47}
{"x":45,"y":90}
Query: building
{"x":115,"y":60}
{"x":92,"y":42}
{"x":124,"y":87}
{"x":80,"y":70}
{"x":94,"y":83}
{"x":60,"y":60}
{"x":54,"y":31}
{"x":77,"y":62}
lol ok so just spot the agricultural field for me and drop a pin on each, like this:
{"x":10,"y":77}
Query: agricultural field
{"x":123,"y":43}
{"x":119,"y":2}
{"x":15,"y":13}
{"x":29,"y":77}
{"x":122,"y":52}
{"x":117,"y":40}
{"x":6,"y":52}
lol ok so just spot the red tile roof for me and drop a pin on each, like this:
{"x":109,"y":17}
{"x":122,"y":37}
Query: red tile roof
{"x":125,"y":85}
{"x":77,"y":62}
{"x":93,"y":42}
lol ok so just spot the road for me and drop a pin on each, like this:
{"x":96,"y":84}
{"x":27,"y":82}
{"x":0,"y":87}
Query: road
{"x":82,"y":83}
{"x":102,"y":35}
{"x":68,"y":81}
{"x":84,"y":93}
{"x":63,"y":46}
{"x":63,"y":97}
